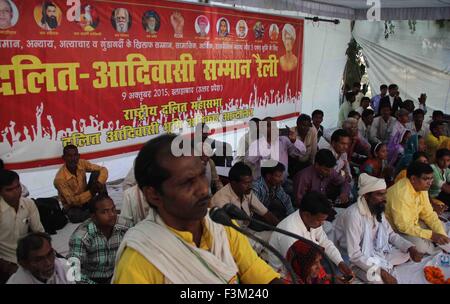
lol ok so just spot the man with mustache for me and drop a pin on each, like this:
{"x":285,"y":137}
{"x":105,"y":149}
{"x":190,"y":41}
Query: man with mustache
{"x":363,"y":232}
{"x":242,"y":29}
{"x":70,"y":181}
{"x":178,"y":243}
{"x":38,"y":262}
{"x":49,"y":19}
{"x":121,"y":20}
{"x":410,"y":213}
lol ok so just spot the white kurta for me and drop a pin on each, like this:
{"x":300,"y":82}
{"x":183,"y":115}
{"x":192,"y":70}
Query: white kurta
{"x":349,"y":234}
{"x":135,"y":207}
{"x":23,"y":276}
{"x":129,"y":180}
{"x":294,"y":223}
{"x":380,"y":131}
{"x":422,"y":132}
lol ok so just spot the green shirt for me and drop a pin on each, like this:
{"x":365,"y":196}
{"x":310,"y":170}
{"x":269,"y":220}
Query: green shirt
{"x":96,"y":253}
{"x":439,"y":178}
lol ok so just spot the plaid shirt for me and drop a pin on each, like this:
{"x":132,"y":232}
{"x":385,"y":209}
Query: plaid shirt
{"x":96,"y":253}
{"x":262,"y":192}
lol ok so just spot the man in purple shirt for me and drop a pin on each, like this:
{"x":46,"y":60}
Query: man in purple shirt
{"x":271,"y":146}
{"x":320,"y":177}
{"x":375,"y":101}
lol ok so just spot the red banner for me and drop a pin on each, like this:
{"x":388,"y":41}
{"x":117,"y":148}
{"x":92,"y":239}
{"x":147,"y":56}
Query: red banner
{"x":108,"y":75}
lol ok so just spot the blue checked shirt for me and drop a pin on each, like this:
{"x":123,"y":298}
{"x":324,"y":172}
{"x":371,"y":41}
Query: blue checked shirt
{"x":96,"y":253}
{"x":262,"y":192}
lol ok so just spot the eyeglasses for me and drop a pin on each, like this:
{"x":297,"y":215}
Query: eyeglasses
{"x":5,"y":12}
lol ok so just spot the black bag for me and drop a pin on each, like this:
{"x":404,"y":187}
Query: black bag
{"x":52,"y":217}
{"x":93,"y":178}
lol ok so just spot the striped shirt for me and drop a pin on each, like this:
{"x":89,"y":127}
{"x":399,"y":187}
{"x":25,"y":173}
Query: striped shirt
{"x":263,"y":193}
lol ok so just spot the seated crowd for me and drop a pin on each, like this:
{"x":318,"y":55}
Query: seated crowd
{"x":376,"y":188}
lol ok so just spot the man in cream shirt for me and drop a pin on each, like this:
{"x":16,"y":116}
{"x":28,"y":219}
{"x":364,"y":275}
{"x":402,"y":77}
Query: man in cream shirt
{"x":18,"y":216}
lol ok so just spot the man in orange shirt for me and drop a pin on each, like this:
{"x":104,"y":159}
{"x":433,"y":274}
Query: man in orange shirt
{"x":70,"y":181}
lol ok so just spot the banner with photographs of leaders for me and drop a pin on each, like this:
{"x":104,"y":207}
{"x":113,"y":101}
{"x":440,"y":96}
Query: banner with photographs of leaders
{"x":109,"y":75}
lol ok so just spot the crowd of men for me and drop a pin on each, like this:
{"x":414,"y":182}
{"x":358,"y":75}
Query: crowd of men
{"x":380,"y":180}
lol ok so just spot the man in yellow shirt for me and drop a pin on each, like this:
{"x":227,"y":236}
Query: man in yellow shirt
{"x":70,"y":181}
{"x":178,"y":242}
{"x":438,"y":206}
{"x":434,"y":139}
{"x":410,"y":213}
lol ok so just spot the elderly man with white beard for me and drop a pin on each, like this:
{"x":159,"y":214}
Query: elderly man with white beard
{"x":363,"y":231}
{"x":121,"y":19}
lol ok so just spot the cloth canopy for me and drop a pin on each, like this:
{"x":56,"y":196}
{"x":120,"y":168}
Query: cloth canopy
{"x":356,"y":9}
{"x":416,"y":58}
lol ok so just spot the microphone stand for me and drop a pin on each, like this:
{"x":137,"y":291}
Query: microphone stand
{"x":288,"y":267}
{"x":295,"y":236}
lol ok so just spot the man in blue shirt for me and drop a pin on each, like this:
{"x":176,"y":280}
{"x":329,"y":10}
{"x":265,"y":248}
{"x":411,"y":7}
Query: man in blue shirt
{"x":269,"y":191}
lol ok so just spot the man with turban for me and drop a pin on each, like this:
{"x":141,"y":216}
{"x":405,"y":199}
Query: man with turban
{"x":203,"y":23}
{"x":362,"y":230}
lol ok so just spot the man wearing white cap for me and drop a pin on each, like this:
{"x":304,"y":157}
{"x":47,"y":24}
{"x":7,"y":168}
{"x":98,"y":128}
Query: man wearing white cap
{"x":362,"y":230}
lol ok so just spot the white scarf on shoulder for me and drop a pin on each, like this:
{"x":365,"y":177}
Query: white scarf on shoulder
{"x":179,"y":261}
{"x":379,"y":247}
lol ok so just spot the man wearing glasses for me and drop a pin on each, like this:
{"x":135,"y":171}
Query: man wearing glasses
{"x":38,"y":262}
{"x":410,"y":213}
